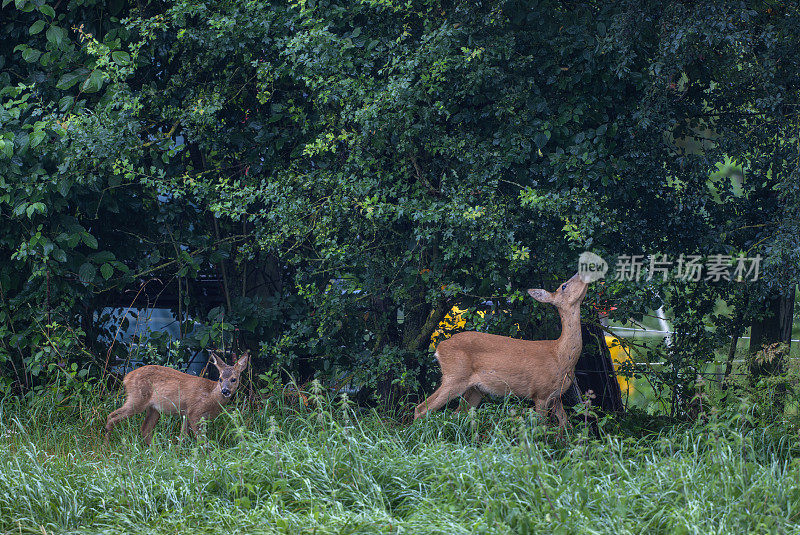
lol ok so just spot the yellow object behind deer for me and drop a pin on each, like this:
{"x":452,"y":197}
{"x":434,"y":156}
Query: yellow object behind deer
{"x":619,"y":355}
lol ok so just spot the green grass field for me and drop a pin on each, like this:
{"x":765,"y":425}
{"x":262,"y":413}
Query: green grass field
{"x":328,"y":470}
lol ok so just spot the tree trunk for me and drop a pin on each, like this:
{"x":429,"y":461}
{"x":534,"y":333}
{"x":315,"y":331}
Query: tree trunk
{"x":774,"y":328}
{"x":729,"y":362}
{"x":767,"y":358}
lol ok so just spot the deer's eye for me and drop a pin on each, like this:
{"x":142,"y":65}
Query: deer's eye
{"x":233,"y":380}
{"x":564,"y":287}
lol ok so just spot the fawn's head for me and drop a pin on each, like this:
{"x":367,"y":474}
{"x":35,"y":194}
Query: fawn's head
{"x":568,"y":295}
{"x":229,"y":375}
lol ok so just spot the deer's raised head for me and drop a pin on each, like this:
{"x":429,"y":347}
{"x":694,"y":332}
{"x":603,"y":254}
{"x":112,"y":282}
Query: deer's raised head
{"x":567,"y":295}
{"x":229,"y":375}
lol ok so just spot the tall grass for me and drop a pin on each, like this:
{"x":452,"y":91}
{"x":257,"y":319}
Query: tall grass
{"x":328,"y":470}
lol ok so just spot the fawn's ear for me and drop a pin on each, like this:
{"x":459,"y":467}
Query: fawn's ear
{"x":216,"y":360}
{"x":241,"y":364}
{"x":543,"y":296}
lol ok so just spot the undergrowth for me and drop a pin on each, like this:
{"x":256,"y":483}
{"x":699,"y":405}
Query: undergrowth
{"x":330,"y":468}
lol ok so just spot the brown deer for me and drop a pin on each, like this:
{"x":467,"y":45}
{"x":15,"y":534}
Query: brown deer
{"x":160,"y":390}
{"x":474,"y":363}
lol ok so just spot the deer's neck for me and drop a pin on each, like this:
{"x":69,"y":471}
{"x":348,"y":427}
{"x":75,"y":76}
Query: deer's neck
{"x":570,"y":343}
{"x":212,"y":387}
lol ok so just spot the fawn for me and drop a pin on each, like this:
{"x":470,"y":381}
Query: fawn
{"x":160,"y":390}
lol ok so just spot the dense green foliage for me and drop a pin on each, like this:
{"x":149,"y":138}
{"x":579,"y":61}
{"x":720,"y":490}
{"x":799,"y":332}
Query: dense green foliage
{"x":324,"y":471}
{"x":345,"y":172}
{"x":352,"y":170}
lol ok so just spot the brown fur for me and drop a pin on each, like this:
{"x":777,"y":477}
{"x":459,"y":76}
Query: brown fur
{"x":474,"y":364}
{"x":160,"y":390}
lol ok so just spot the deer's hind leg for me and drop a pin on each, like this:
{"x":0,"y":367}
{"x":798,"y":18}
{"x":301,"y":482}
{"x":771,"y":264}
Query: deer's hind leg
{"x":541,"y":409}
{"x":449,"y":390}
{"x":150,"y":421}
{"x":561,"y":415}
{"x":553,"y":407}
{"x":472,"y":397}
{"x":128,"y":409}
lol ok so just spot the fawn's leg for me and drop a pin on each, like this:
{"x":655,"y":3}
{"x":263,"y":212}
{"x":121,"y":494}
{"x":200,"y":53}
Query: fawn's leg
{"x":150,"y":421}
{"x":193,"y":421}
{"x":129,"y":408}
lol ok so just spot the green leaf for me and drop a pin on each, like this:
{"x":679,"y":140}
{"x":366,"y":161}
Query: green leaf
{"x":36,"y":137}
{"x":31,"y":55}
{"x":46,"y":59}
{"x":59,"y":255}
{"x":35,"y":207}
{"x":36,"y":27}
{"x":65,"y":103}
{"x":68,"y":80}
{"x":47,"y":10}
{"x":106,"y":270}
{"x":73,"y":240}
{"x":541,"y":139}
{"x":121,"y":58}
{"x":56,"y":35}
{"x":87,"y":272}
{"x":64,"y":186}
{"x":102,"y":257}
{"x":89,"y":240}
{"x":19,"y":209}
{"x":6,"y":148}
{"x":94,"y":83}
{"x":23,"y":140}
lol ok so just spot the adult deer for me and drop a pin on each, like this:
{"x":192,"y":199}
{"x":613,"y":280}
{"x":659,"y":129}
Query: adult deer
{"x":474,"y":363}
{"x":160,"y":390}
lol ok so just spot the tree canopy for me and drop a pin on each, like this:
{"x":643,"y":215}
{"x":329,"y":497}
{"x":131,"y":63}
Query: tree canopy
{"x":352,"y":170}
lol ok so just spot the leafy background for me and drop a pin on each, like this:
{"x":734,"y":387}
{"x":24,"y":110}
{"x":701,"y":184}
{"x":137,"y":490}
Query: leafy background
{"x":349,"y":171}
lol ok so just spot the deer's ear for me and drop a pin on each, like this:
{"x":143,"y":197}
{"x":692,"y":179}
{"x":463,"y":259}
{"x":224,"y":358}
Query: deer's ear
{"x":241,"y":364}
{"x":216,"y":360}
{"x":543,"y":296}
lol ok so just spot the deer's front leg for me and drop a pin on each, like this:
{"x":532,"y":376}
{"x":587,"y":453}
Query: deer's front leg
{"x":193,"y":420}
